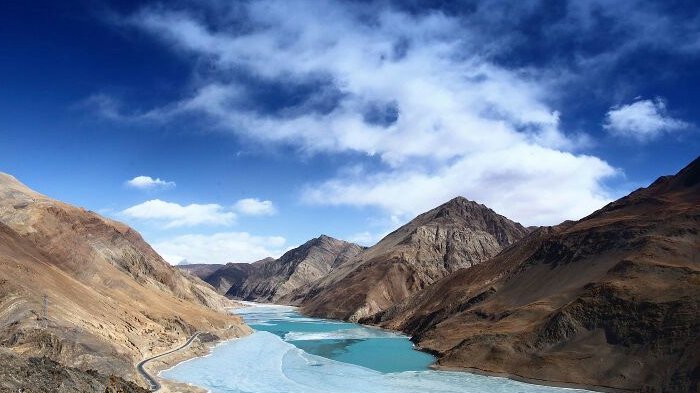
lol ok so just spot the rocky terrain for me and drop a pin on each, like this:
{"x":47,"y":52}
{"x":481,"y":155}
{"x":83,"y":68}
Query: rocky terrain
{"x":611,"y":300}
{"x":110,"y":299}
{"x":200,"y":270}
{"x":295,"y":270}
{"x":458,"y":234}
{"x":221,"y":277}
{"x":273,"y":280}
{"x":40,"y":375}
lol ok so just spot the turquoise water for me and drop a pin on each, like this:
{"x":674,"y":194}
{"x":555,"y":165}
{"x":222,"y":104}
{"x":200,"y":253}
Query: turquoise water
{"x":373,"y":348}
{"x":293,"y":354}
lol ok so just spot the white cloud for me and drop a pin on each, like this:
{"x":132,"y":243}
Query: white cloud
{"x":255,"y":207}
{"x":642,"y":120}
{"x":149,"y":183}
{"x":219,"y":248}
{"x":530,"y":184}
{"x":365,"y":238}
{"x":451,"y":122}
{"x":173,"y":215}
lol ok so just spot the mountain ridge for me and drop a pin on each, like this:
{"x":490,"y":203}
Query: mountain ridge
{"x":110,"y":298}
{"x":271,"y":280}
{"x":459,"y":233}
{"x":611,"y":300}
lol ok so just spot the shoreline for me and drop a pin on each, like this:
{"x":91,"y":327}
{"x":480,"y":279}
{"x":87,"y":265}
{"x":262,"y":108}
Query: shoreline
{"x":197,"y":349}
{"x":512,"y":376}
{"x":200,"y":350}
{"x":532,"y":381}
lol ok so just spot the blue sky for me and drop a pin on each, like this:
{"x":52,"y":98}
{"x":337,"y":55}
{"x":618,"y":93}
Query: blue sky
{"x":229,"y":131}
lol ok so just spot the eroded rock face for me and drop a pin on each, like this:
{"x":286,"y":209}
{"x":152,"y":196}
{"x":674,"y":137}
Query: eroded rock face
{"x":456,"y":235}
{"x":222,"y":277}
{"x":273,"y":280}
{"x":18,"y":374}
{"x":112,"y":299}
{"x":611,"y":300}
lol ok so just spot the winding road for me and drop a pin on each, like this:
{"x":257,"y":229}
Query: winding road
{"x":152,"y":382}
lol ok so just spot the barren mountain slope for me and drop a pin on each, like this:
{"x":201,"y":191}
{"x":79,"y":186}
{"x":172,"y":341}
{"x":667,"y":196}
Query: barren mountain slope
{"x":273,"y":280}
{"x":223,"y":277}
{"x":18,"y":374}
{"x":111,"y":299}
{"x":455,"y":235}
{"x":201,"y":270}
{"x":612,"y":300}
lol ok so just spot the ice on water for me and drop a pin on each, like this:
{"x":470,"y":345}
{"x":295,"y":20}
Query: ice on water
{"x":264,"y":362}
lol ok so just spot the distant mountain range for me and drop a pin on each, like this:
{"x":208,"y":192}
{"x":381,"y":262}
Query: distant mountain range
{"x":610,"y":301}
{"x":274,"y":280}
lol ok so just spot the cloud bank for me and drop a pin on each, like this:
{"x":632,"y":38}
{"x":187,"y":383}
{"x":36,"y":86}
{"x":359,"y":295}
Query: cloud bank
{"x":172,"y":215}
{"x":408,"y":93}
{"x":220,"y":247}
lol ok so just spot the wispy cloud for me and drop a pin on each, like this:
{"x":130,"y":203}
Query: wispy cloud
{"x":642,"y":120}
{"x":149,"y":183}
{"x":406,"y":89}
{"x":172,"y":215}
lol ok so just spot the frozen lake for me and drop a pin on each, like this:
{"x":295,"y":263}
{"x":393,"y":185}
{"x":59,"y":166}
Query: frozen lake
{"x":291,"y":353}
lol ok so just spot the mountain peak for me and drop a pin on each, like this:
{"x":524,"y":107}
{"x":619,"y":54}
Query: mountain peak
{"x":459,"y":200}
{"x":463,"y":210}
{"x":460,"y":203}
{"x":10,"y":182}
{"x":7,"y":178}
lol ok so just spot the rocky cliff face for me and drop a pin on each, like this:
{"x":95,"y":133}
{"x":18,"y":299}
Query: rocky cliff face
{"x":274,"y":280}
{"x":458,"y":234}
{"x":612,"y":300}
{"x":223,"y":277}
{"x":18,"y":374}
{"x":112,"y":300}
{"x":201,"y":270}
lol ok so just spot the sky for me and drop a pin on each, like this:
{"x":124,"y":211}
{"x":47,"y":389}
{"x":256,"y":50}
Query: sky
{"x":229,"y":131}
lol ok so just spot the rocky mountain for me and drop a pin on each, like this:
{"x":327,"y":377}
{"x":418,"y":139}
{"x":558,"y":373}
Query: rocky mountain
{"x":109,"y":298}
{"x":611,"y":300}
{"x":273,"y":280}
{"x":200,"y":270}
{"x":458,"y":234}
{"x":223,"y":277}
{"x":18,"y":374}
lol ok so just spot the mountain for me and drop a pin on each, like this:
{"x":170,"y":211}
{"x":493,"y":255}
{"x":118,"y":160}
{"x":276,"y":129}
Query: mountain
{"x":458,"y":234}
{"x":223,"y":277}
{"x":110,"y":299}
{"x":272,"y":280}
{"x":611,"y":300}
{"x":200,"y":270}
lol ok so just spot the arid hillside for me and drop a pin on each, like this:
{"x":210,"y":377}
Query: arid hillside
{"x":109,"y":298}
{"x":612,"y":300}
{"x":223,"y":277}
{"x":458,"y":234}
{"x":273,"y":280}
